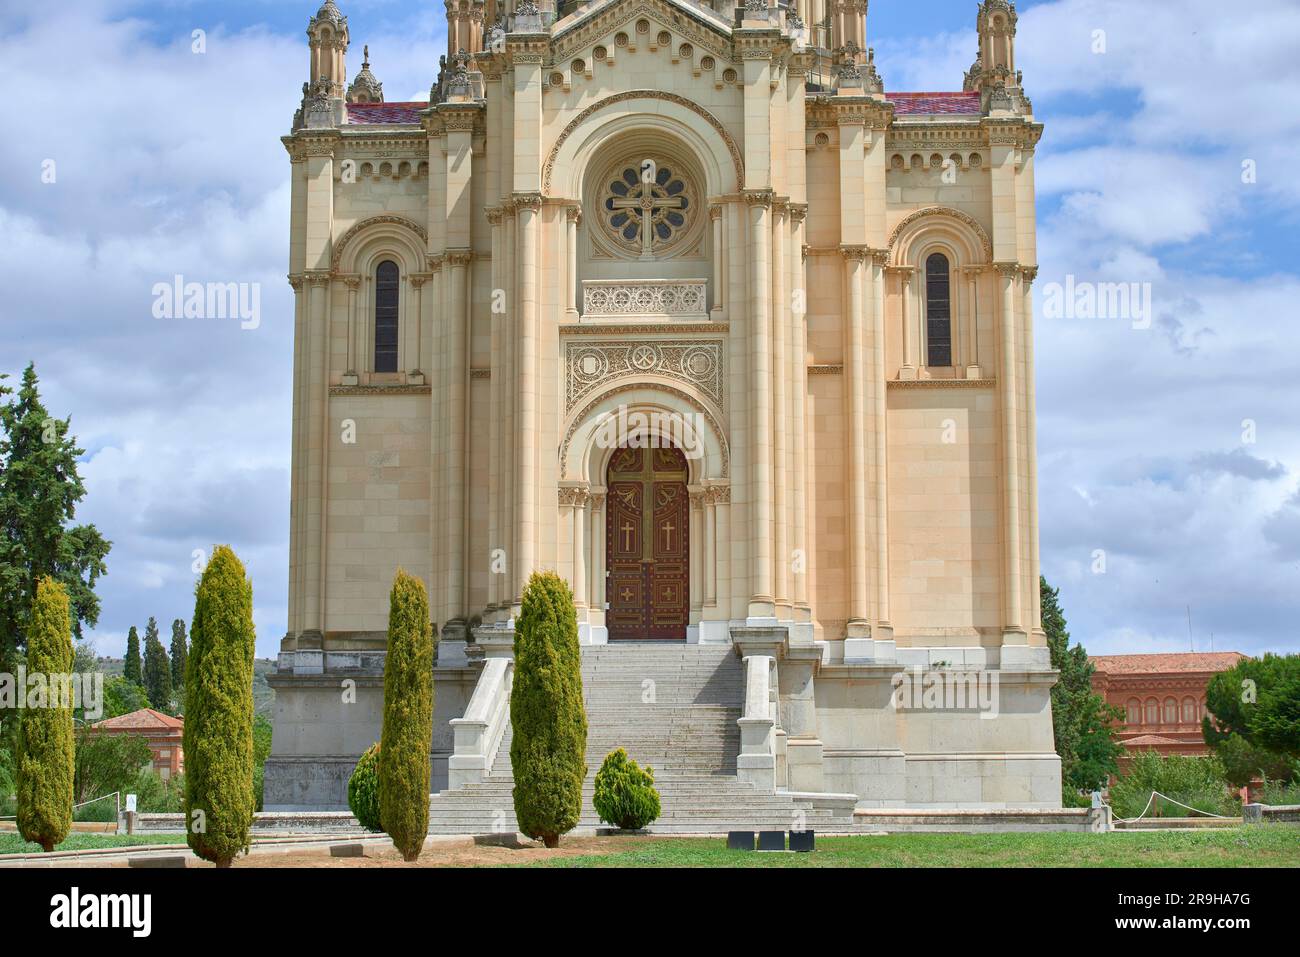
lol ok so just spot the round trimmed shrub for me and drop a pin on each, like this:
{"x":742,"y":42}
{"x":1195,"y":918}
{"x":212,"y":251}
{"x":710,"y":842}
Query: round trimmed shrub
{"x":548,"y":750}
{"x":363,"y":790}
{"x":625,"y":792}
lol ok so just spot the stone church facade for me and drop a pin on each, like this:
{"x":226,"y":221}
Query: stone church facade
{"x":674,"y":298}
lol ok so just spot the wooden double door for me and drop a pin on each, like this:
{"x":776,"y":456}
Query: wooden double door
{"x":647,"y":552}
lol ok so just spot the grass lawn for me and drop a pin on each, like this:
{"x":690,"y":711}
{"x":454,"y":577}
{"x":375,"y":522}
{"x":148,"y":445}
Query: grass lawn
{"x":1265,"y":845}
{"x":12,"y":843}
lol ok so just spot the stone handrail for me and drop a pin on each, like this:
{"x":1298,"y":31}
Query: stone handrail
{"x":758,"y":746}
{"x":478,"y":733}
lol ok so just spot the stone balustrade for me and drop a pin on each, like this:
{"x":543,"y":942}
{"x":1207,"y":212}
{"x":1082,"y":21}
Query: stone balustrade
{"x":648,"y":300}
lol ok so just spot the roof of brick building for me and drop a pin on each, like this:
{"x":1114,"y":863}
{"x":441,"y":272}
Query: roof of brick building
{"x":928,"y":104}
{"x":378,"y":114}
{"x":905,"y":104}
{"x":1186,"y":662}
{"x":146,"y":719}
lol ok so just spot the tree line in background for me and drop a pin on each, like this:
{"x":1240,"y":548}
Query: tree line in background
{"x":160,"y":674}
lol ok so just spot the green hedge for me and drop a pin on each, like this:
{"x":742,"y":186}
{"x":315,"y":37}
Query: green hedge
{"x":1198,"y":782}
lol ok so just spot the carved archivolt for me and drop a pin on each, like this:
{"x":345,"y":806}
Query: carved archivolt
{"x":582,"y":117}
{"x":724,"y":448}
{"x":589,"y":365}
{"x":358,"y":228}
{"x":945,"y":211}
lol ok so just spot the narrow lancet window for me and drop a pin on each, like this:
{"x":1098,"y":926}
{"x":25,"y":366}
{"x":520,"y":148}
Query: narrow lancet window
{"x":386,"y":296}
{"x":938,"y":311}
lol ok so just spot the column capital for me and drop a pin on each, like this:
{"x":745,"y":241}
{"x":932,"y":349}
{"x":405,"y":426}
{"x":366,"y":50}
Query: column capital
{"x":434,"y":263}
{"x":715,"y":211}
{"x":758,"y":197}
{"x":904,"y":271}
{"x":1029,"y":274}
{"x":459,"y":257}
{"x":493,"y":215}
{"x":573,"y":214}
{"x":353,"y":281}
{"x":854,"y":253}
{"x":530,"y":201}
{"x":798,"y":212}
{"x":1007,"y":270}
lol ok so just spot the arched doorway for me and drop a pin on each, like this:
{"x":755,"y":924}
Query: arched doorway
{"x":647,"y":550}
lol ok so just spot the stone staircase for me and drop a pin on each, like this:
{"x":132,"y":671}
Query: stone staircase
{"x":673,"y":707}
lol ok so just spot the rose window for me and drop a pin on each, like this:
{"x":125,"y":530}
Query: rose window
{"x":646,"y":212}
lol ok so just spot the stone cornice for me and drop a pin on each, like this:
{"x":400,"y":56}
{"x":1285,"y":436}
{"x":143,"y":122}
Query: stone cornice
{"x":984,"y":383}
{"x":395,"y":389}
{"x":305,"y":143}
{"x":676,"y":329}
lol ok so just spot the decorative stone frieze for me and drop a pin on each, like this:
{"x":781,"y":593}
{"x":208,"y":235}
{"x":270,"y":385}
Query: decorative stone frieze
{"x":591,"y":365}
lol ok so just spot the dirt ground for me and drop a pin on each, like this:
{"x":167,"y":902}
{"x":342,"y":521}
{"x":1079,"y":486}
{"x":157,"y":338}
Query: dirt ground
{"x":440,"y":854}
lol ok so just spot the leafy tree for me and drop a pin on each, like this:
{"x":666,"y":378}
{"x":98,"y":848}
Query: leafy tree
{"x":122,"y":696}
{"x":40,"y":488}
{"x":106,"y":763}
{"x":157,"y":669}
{"x":45,"y":756}
{"x":625,"y":792}
{"x":548,"y":751}
{"x":408,"y":717}
{"x":178,"y":649}
{"x":218,"y":736}
{"x":132,"y":669}
{"x":363,"y":790}
{"x":1253,"y":717}
{"x":156,"y":796}
{"x":1083,"y":724}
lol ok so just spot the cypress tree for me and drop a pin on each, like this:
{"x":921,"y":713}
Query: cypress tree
{"x":548,"y":751}
{"x":178,"y":653}
{"x":408,"y":717}
{"x":45,"y":756}
{"x":132,"y":670}
{"x":157,"y":669}
{"x":218,"y":736}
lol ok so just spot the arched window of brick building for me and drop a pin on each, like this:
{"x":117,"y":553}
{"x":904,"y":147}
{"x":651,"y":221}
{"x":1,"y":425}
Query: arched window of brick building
{"x":1171,"y":711}
{"x":1134,"y":710}
{"x":1153,"y":711}
{"x":1189,"y":711}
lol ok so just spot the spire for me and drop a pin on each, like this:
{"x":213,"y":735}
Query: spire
{"x":365,"y":88}
{"x":994,"y":72}
{"x":327,"y":35}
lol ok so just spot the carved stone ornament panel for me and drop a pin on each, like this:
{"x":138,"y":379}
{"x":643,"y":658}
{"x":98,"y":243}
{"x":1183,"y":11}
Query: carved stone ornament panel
{"x":590,"y":365}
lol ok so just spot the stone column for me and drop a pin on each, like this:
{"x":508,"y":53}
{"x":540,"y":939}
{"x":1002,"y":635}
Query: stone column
{"x":456,"y":409}
{"x":298,"y":501}
{"x":1028,"y":275}
{"x":883,"y":630}
{"x":761,"y":602}
{"x":597,"y":564}
{"x":495,"y":424}
{"x":509,"y":407}
{"x":1013,"y":632}
{"x":573,"y":216}
{"x":710,"y":548}
{"x":780,"y":418}
{"x":580,"y":522}
{"x":856,"y":385}
{"x":350,"y":375}
{"x":972,"y":274}
{"x":696,"y":552}
{"x":318,"y":295}
{"x":719,"y":255}
{"x":528,"y":206}
{"x":415,"y":375}
{"x":904,"y":274}
{"x":798,"y":414}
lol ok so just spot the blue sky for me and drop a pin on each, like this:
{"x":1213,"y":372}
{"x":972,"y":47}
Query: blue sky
{"x":168,"y":162}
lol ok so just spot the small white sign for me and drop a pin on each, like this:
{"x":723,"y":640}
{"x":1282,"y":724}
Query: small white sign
{"x":130,"y":803}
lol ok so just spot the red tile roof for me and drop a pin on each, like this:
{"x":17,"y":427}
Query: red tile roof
{"x":928,"y":104}
{"x":141,"y":720}
{"x":1187,"y":661}
{"x":375,"y":114}
{"x":1149,"y":740}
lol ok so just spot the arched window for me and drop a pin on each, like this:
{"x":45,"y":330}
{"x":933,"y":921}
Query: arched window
{"x":1134,"y":710}
{"x":938,"y":311}
{"x":387,"y":277}
{"x":1189,"y":710}
{"x":1171,"y":711}
{"x":1153,"y":711}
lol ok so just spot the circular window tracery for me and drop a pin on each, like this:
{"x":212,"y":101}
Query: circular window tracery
{"x":647,"y":209}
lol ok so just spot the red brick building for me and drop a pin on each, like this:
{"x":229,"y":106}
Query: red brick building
{"x":161,"y":731}
{"x":1162,"y":697}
